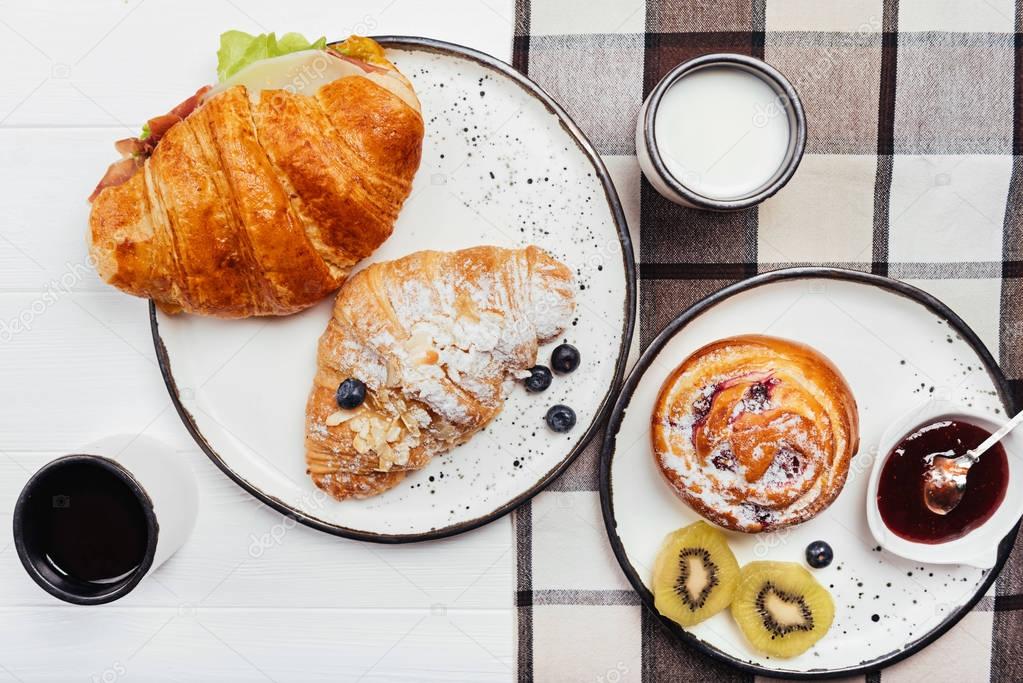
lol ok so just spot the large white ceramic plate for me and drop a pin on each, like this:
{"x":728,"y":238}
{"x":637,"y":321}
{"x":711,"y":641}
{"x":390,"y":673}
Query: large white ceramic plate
{"x":897,"y":347}
{"x":502,"y":165}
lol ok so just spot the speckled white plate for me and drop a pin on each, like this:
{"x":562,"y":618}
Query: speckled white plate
{"x":897,"y":347}
{"x":502,"y":165}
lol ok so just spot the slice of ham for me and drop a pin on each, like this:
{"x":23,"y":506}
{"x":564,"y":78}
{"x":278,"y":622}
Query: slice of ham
{"x":134,"y":151}
{"x":159,"y":125}
{"x":130,"y":147}
{"x":117,"y":173}
{"x":365,"y":66}
{"x":189,"y":105}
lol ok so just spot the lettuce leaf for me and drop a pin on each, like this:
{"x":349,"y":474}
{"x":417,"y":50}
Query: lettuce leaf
{"x":239,"y":49}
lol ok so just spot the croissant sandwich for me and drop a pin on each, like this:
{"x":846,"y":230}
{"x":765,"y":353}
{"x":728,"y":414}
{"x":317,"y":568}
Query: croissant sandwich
{"x":257,"y":196}
{"x":756,"y":433}
{"x":428,"y":344}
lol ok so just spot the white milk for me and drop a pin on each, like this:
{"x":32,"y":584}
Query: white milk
{"x":721,"y":131}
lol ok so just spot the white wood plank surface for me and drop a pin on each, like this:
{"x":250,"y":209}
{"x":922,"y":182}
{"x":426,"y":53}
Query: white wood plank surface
{"x":251,"y":596}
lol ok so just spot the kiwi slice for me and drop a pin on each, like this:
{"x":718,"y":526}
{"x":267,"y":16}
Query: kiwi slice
{"x":781,"y":608}
{"x":695,"y":574}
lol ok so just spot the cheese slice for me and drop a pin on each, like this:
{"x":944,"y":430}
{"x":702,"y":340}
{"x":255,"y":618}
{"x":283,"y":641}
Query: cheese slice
{"x":305,"y":72}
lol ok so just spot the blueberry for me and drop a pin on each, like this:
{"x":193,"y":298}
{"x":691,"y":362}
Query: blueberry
{"x":560,"y":418}
{"x":819,"y":554}
{"x":350,"y":394}
{"x":539,"y":378}
{"x":565,"y":358}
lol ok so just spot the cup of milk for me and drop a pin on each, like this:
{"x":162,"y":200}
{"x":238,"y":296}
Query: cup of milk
{"x":721,"y":132}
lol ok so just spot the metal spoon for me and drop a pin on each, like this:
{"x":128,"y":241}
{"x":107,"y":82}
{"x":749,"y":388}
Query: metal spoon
{"x":945,"y":478}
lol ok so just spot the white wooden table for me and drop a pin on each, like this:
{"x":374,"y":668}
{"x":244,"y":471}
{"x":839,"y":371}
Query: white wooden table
{"x":251,"y":595}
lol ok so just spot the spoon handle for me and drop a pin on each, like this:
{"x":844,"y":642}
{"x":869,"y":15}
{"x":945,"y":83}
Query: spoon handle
{"x":996,"y":437}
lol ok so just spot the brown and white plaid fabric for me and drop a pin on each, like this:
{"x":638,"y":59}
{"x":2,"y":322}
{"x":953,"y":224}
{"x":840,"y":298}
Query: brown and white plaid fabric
{"x":912,"y":170}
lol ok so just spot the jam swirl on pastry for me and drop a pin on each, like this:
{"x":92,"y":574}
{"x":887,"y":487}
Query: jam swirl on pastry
{"x":755,"y":432}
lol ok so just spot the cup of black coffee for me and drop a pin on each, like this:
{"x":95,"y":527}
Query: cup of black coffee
{"x":89,"y":527}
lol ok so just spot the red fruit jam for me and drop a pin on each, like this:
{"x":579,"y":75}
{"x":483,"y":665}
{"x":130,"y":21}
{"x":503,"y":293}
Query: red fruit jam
{"x":900,"y":496}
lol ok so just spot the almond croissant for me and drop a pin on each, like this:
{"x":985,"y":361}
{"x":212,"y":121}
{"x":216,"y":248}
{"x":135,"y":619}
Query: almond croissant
{"x":260,"y":202}
{"x":435,"y":337}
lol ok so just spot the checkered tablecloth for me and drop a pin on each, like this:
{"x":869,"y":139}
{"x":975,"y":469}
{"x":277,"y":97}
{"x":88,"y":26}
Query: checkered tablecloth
{"x":915,"y":116}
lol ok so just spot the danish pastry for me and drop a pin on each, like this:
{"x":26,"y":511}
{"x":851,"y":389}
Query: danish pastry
{"x":755,"y":432}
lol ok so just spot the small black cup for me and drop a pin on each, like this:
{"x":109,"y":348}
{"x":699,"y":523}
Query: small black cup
{"x":85,"y":529}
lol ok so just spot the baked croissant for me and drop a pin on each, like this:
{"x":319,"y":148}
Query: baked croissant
{"x":258,"y":201}
{"x":435,"y":337}
{"x":756,"y":433}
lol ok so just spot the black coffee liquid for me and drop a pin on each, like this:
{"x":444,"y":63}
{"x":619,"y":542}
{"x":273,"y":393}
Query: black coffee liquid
{"x":87,"y":524}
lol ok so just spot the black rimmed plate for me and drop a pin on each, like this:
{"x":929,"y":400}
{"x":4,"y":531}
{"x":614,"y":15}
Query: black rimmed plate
{"x":503,"y":165}
{"x":897,"y":346}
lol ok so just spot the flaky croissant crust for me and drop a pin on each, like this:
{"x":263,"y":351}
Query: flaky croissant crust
{"x":435,"y":336}
{"x":260,"y":208}
{"x":755,"y":432}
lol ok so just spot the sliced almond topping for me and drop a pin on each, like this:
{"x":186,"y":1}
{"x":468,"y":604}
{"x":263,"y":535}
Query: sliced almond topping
{"x":393,"y":372}
{"x":386,"y":458}
{"x":378,"y":431}
{"x":340,"y":417}
{"x":421,"y":416}
{"x":446,"y":432}
{"x":409,"y":421}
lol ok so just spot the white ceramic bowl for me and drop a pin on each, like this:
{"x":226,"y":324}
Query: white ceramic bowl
{"x":978,"y":548}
